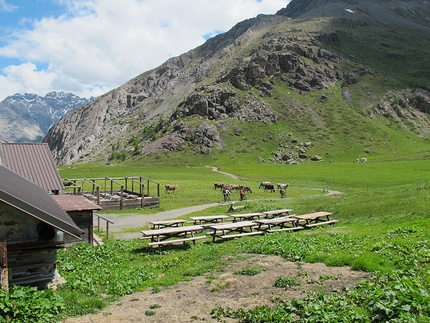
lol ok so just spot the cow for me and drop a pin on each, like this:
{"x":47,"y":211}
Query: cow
{"x":246,"y":188}
{"x":361,"y":160}
{"x":263,"y":184}
{"x":218,"y":185}
{"x":269,"y":187}
{"x":282,"y":186}
{"x":171,"y":187}
{"x":234,"y":187}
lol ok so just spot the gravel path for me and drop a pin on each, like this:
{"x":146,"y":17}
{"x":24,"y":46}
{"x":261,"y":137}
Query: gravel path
{"x":139,"y":220}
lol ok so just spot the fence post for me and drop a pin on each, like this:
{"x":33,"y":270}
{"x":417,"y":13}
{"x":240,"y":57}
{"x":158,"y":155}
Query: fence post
{"x":121,"y":200}
{"x":142,"y":187}
{"x":4,"y":271}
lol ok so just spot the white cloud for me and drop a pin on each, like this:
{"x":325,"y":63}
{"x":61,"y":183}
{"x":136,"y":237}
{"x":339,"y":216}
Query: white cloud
{"x":99,"y":45}
{"x":6,"y":7}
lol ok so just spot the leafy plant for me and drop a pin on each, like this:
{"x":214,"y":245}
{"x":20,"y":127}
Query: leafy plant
{"x":286,"y":282}
{"x":27,"y":304}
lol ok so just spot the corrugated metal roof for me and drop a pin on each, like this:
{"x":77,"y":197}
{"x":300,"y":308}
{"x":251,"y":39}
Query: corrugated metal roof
{"x":32,"y":161}
{"x":30,"y":198}
{"x":75,"y":203}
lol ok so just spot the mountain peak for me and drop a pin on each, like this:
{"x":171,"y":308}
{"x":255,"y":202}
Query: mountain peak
{"x":408,"y":13}
{"x":28,"y":117}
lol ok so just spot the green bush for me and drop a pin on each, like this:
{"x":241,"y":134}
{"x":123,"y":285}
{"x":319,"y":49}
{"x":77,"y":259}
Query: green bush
{"x":27,"y":304}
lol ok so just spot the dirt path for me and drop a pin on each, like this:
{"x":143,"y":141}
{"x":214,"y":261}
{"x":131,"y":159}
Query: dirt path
{"x":215,"y":169}
{"x":193,"y":301}
{"x":139,"y":220}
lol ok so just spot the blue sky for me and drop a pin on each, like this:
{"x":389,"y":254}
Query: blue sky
{"x":89,"y":47}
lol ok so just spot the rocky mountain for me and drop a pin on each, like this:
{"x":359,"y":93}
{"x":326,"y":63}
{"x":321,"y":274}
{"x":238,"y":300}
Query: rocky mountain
{"x":324,"y":71}
{"x":28,"y":117}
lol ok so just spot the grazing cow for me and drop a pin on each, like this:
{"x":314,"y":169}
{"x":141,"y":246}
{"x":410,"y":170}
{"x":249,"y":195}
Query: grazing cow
{"x":263,"y":184}
{"x":269,"y":187}
{"x":361,"y":160}
{"x":282,"y":186}
{"x":218,"y":185}
{"x":234,"y":187}
{"x":171,"y":187}
{"x":246,"y":188}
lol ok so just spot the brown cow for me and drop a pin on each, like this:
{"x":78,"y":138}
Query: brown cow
{"x":246,"y":188}
{"x":218,"y":185}
{"x":171,"y":187}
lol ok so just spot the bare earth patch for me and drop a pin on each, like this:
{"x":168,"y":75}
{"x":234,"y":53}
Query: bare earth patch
{"x":192,"y":301}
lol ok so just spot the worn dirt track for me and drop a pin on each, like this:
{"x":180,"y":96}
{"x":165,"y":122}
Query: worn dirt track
{"x":193,"y":301}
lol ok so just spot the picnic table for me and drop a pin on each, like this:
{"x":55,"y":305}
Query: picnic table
{"x":224,"y":230}
{"x":246,"y":216}
{"x":167,"y":223}
{"x":276,"y":213}
{"x":285,"y":223}
{"x":183,"y":233}
{"x":208,"y":219}
{"x":315,"y":219}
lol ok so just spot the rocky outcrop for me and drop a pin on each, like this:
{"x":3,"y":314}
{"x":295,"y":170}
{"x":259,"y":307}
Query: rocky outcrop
{"x":216,"y":103}
{"x":203,"y":137}
{"x":411,"y":108}
{"x":286,"y":58}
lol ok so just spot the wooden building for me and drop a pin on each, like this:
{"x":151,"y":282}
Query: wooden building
{"x":34,"y":162}
{"x":81,"y":210}
{"x":32,"y":227}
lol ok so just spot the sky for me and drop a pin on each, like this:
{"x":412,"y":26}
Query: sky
{"x":88,"y":47}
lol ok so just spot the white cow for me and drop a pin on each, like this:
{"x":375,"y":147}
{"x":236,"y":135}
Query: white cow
{"x":361,"y":160}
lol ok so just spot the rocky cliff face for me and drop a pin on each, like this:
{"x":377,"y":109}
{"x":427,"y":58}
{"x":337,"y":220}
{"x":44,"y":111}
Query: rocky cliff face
{"x":28,"y":117}
{"x":231,"y":76}
{"x":155,"y":94}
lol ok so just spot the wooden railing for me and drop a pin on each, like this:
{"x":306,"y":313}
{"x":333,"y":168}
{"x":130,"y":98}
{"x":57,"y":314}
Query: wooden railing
{"x":107,"y":223}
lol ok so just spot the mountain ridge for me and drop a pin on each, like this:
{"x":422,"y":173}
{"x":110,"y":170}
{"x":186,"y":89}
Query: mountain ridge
{"x":264,"y":70}
{"x":28,"y":117}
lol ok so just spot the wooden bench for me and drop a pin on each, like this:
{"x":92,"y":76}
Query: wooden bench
{"x":164,"y":242}
{"x":320,"y":223}
{"x":285,"y":229}
{"x":281,"y":222}
{"x":235,"y":208}
{"x":167,"y":223}
{"x":246,"y":216}
{"x":231,"y":236}
{"x":210,"y":219}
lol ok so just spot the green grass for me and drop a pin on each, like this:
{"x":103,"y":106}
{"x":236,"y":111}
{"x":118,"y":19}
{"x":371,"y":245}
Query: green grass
{"x":383,"y":218}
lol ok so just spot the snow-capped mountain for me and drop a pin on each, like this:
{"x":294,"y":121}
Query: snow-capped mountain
{"x":28,"y":117}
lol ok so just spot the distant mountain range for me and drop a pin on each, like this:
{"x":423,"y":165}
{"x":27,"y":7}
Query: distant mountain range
{"x":28,"y":117}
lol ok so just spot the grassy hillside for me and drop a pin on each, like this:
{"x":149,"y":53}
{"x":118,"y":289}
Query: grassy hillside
{"x":341,"y":120}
